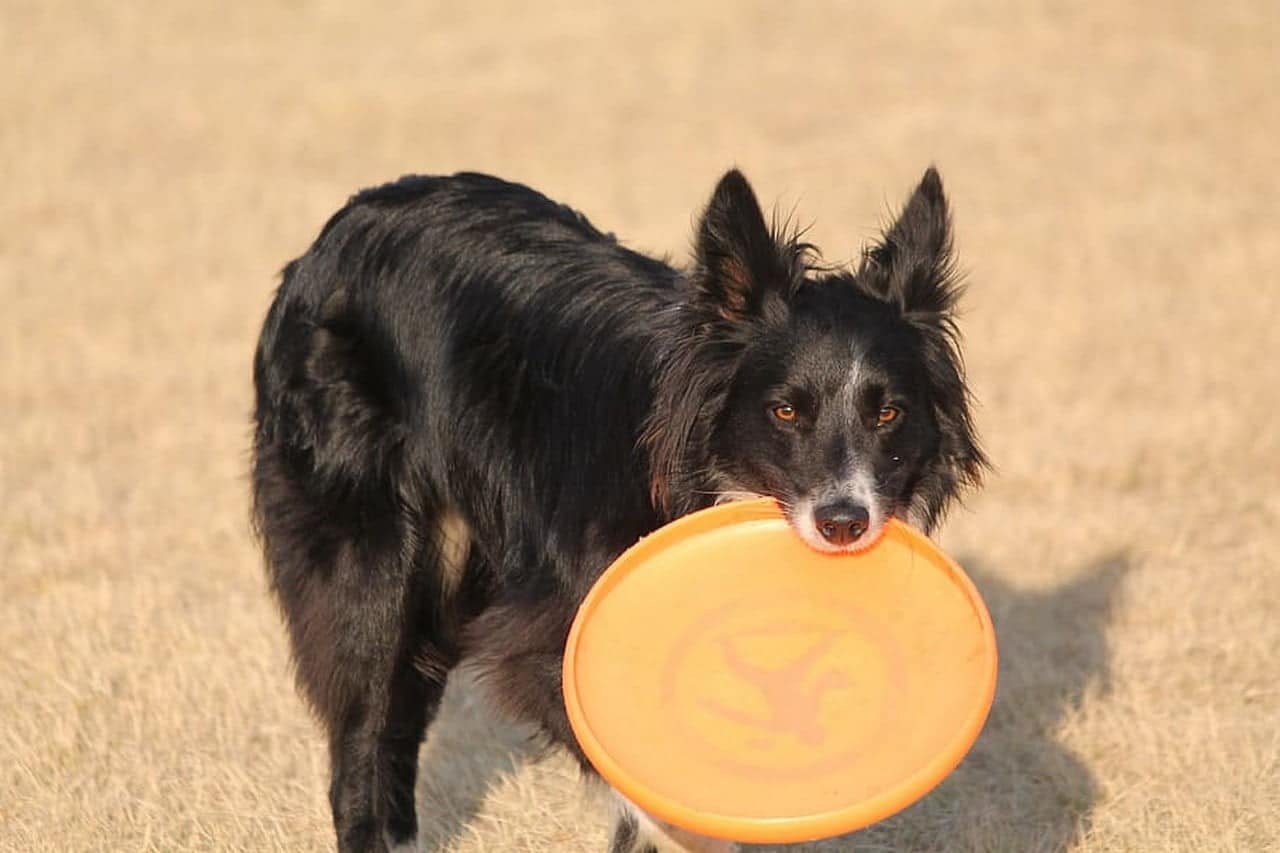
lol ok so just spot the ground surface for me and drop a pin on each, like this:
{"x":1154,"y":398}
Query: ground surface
{"x":1116,"y":181}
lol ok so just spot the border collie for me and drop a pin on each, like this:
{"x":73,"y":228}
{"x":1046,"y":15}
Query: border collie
{"x":469,"y":401}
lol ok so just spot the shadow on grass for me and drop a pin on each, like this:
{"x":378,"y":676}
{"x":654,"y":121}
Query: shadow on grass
{"x":466,"y":753}
{"x":1019,"y":790}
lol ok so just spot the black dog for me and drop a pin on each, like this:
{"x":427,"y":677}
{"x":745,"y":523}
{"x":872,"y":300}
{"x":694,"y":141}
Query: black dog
{"x":470,"y":401}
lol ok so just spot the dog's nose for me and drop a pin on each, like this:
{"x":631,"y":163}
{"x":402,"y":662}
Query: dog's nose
{"x":841,"y":522}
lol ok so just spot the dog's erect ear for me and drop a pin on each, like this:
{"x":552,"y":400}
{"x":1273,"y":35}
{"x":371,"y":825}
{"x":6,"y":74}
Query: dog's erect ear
{"x":742,"y":263}
{"x":912,"y":268}
{"x":912,"y":265}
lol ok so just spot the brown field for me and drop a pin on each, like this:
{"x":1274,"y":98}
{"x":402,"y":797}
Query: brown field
{"x":1115,"y":174}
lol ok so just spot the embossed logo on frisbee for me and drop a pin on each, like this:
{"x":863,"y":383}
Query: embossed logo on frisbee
{"x":769,"y":689}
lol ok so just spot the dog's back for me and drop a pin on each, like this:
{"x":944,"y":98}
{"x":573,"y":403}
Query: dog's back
{"x":458,"y":341}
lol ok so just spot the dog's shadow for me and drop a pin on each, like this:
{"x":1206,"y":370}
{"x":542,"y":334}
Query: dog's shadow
{"x":1019,"y":789}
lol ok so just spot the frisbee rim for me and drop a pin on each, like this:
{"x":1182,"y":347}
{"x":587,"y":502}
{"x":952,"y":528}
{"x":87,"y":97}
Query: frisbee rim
{"x":795,"y":828}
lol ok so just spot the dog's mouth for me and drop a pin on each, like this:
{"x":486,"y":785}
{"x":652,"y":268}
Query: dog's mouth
{"x":841,"y":527}
{"x":857,"y":529}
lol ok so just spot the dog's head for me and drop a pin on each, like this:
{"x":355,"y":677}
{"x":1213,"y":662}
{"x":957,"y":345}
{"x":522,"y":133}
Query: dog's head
{"x":841,"y":394}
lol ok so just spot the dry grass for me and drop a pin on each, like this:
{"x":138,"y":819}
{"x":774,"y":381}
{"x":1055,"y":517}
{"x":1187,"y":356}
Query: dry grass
{"x":1114,"y":169}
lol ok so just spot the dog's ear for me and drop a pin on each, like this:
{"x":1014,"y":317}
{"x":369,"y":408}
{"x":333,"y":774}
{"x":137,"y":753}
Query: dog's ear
{"x":741,"y":262}
{"x":912,"y":266}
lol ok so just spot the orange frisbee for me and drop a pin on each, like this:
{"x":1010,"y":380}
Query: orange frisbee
{"x":730,"y":680}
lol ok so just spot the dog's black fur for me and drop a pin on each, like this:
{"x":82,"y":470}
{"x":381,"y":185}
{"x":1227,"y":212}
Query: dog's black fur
{"x":470,"y":401}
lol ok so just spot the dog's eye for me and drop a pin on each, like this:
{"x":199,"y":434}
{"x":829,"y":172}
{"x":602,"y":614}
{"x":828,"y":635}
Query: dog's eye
{"x":784,"y":412}
{"x":887,"y":415}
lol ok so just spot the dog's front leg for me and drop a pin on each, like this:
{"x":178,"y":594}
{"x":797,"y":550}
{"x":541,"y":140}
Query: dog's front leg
{"x":636,"y":831}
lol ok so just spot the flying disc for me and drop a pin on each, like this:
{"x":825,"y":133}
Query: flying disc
{"x":732,"y":681}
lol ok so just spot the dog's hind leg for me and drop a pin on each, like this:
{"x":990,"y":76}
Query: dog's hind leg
{"x":374,"y":745}
{"x":361,"y":555}
{"x":382,"y":672}
{"x":362,"y":602}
